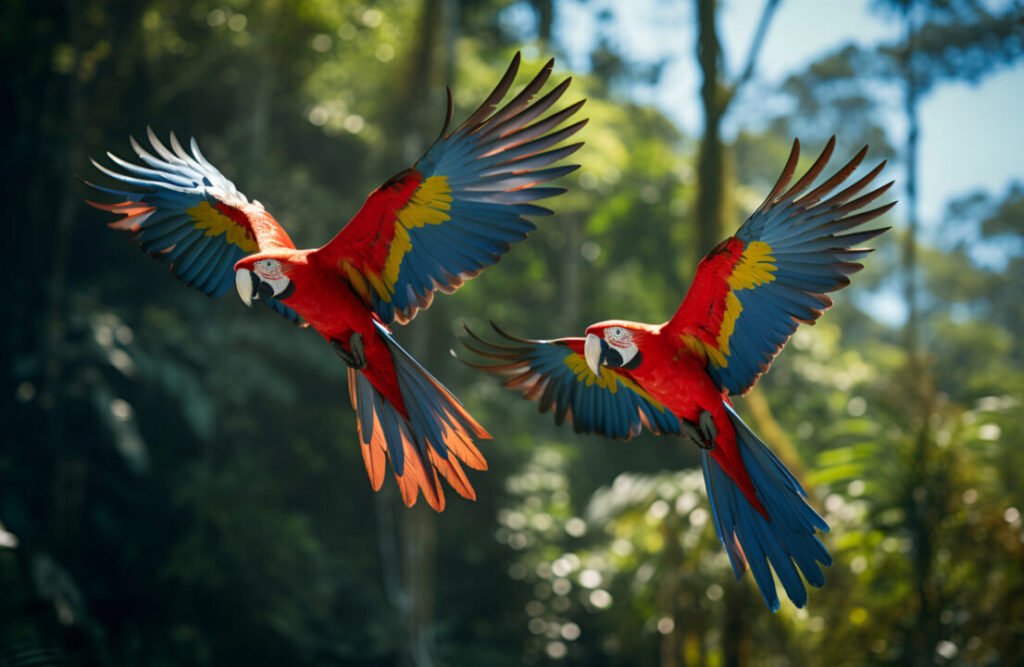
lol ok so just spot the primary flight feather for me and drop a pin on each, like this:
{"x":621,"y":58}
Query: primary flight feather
{"x":428,"y":228}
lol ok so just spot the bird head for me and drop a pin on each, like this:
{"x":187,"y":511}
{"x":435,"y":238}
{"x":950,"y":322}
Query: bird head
{"x":263,"y":277}
{"x":613,"y":344}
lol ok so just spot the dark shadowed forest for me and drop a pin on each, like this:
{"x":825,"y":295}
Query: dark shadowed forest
{"x":180,"y":477}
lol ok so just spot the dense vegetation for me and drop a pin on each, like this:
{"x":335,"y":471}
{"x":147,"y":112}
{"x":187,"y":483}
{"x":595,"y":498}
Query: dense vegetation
{"x":180,"y":481}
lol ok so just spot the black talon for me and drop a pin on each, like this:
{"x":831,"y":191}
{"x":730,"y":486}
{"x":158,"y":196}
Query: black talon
{"x":355,"y":344}
{"x":704,"y":433}
{"x":342,"y":353}
{"x":708,"y":428}
{"x":355,"y":357}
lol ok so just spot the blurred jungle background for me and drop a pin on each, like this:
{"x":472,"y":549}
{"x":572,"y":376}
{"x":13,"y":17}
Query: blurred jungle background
{"x":180,"y":480}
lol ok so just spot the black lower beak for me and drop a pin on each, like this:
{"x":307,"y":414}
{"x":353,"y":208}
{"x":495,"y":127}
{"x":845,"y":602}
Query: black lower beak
{"x":260,"y":289}
{"x":610,"y":356}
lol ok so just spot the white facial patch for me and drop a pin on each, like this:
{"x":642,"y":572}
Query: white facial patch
{"x":622,"y":340}
{"x":618,"y":337}
{"x":269,"y":271}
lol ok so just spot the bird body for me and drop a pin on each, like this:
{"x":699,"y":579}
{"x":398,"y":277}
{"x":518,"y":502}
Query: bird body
{"x":676,"y":378}
{"x":330,"y":307}
{"x":430,"y":227}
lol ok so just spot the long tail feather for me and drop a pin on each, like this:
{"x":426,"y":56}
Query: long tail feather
{"x":785,"y":543}
{"x":435,"y":436}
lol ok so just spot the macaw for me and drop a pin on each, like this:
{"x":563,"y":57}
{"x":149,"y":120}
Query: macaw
{"x":746,"y":300}
{"x":431,"y":227}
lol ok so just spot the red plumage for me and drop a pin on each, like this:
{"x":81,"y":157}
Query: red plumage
{"x":747,"y":298}
{"x":430,"y":227}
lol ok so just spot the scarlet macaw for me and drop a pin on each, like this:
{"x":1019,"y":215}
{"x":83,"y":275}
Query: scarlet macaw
{"x":428,"y":228}
{"x":746,"y":300}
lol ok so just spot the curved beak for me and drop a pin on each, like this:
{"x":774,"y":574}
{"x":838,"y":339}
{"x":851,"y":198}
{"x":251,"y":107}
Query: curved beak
{"x":592,"y":352}
{"x":246,"y":284}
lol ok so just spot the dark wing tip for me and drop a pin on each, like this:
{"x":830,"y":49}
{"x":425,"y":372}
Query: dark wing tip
{"x":574,"y":107}
{"x":572,"y":148}
{"x":449,"y":111}
{"x":483,"y":341}
{"x":785,"y":177}
{"x":882,"y":210}
{"x":815,"y":170}
{"x":506,"y":335}
{"x":473,"y":335}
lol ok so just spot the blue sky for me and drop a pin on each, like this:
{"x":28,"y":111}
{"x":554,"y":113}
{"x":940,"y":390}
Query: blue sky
{"x":972,"y":136}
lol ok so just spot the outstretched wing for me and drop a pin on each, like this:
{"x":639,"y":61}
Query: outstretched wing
{"x":752,"y":291}
{"x":183,"y":211}
{"x":555,"y":373}
{"x":461,"y":206}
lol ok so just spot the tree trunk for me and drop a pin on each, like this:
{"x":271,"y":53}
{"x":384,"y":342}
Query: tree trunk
{"x":710,"y":174}
{"x":262,"y":101}
{"x":545,"y":12}
{"x":910,"y":104}
{"x":736,"y":647}
{"x":419,"y":566}
{"x":431,"y":68}
{"x":672,"y":642}
{"x":712,"y":201}
{"x":571,"y":265}
{"x":924,"y":633}
{"x":70,"y":468}
{"x":710,"y":204}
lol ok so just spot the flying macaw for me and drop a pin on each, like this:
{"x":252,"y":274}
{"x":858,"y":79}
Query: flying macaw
{"x":747,"y":298}
{"x":430,"y":227}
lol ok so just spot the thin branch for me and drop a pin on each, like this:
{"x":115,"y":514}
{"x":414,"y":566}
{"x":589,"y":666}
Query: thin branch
{"x":755,"y":49}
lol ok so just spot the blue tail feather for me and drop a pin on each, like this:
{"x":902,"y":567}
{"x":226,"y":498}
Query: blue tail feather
{"x":787,"y":543}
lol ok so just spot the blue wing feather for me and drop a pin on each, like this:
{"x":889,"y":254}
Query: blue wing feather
{"x":552,"y":372}
{"x":802,"y":255}
{"x":483,"y":177}
{"x":159,"y":214}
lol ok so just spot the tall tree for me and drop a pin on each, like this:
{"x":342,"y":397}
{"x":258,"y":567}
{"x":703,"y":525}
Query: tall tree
{"x":942,"y":41}
{"x":429,"y":68}
{"x":717,"y":95}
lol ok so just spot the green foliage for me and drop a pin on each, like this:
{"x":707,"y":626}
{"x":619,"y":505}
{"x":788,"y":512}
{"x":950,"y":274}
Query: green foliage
{"x":180,"y":481}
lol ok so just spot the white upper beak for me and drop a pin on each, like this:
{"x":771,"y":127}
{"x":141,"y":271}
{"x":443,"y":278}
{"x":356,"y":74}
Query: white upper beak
{"x":592,"y":353}
{"x":243,"y":283}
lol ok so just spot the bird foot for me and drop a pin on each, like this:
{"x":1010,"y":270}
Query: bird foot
{"x":704,"y":432}
{"x":355,"y":356}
